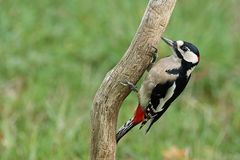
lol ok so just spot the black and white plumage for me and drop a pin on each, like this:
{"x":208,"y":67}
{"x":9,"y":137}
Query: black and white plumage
{"x":164,"y":83}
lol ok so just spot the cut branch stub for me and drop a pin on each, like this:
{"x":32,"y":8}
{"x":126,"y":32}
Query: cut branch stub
{"x":111,"y":93}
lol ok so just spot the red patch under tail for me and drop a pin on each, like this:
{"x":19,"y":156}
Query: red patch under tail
{"x":139,"y":115}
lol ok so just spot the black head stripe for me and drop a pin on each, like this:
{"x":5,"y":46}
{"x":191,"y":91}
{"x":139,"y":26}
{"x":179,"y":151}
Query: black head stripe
{"x":179,"y":54}
{"x":192,"y":48}
{"x":184,"y":48}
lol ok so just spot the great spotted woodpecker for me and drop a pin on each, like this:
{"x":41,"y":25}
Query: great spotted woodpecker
{"x":164,"y":83}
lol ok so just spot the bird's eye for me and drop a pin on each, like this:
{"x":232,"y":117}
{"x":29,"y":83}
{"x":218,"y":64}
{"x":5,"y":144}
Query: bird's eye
{"x":184,"y":48}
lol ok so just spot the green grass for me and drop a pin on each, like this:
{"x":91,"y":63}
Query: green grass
{"x":54,"y":55}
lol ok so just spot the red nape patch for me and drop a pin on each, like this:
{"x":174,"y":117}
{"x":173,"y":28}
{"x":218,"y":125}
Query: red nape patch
{"x":139,"y":115}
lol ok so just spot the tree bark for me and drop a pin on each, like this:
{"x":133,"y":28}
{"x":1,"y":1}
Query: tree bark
{"x":111,"y":93}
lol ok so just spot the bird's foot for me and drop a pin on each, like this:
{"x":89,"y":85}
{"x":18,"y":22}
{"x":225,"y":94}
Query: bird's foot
{"x":149,"y":113}
{"x":153,"y":52}
{"x":130,"y":85}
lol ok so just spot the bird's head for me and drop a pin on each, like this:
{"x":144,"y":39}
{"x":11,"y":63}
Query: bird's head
{"x":184,"y":50}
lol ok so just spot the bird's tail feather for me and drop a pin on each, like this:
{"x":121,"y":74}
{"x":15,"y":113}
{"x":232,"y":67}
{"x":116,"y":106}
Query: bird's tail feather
{"x":138,"y":118}
{"x":125,"y":129}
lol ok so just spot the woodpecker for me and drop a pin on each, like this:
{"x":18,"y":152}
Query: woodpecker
{"x":165,"y":81}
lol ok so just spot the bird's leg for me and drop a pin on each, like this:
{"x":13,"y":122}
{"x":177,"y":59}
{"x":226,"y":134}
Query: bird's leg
{"x":153,"y":53}
{"x":132,"y":87}
{"x":150,"y":113}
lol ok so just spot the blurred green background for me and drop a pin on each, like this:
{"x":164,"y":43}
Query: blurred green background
{"x":54,"y":55}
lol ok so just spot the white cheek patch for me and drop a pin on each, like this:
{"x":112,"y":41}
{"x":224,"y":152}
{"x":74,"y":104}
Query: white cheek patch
{"x":190,"y":57}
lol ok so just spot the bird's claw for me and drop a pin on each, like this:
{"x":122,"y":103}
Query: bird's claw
{"x":130,"y":85}
{"x":147,"y":116}
{"x":153,"y":53}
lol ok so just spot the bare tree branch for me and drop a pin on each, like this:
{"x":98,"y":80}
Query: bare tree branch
{"x":111,"y":93}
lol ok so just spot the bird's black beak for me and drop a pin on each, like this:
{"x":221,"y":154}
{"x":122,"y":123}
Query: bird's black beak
{"x":168,"y":41}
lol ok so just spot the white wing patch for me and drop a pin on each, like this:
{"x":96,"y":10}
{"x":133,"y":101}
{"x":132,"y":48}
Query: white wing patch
{"x":169,"y":94}
{"x":190,"y":57}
